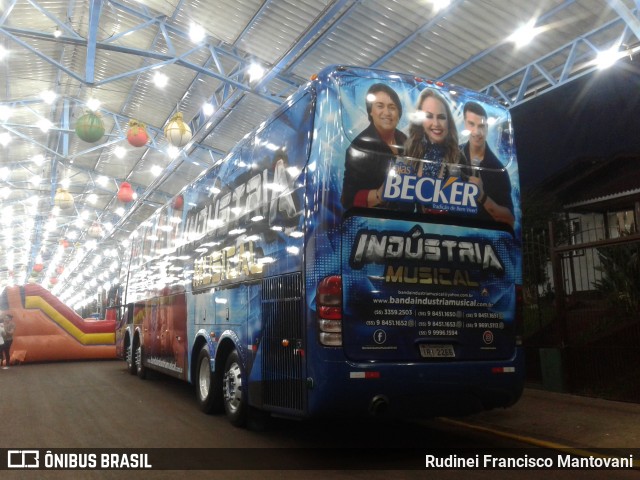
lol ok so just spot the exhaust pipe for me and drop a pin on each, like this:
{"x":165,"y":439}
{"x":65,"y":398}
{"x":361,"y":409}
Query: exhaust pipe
{"x":379,"y":406}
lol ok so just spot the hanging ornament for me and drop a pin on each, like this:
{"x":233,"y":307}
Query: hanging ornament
{"x":137,"y":135}
{"x":64,"y":243}
{"x":177,"y":132}
{"x":53,"y":280}
{"x":59,"y":270}
{"x":63,"y":199}
{"x":90,"y":127}
{"x":95,"y":230}
{"x":178,"y":202}
{"x":38,"y":267}
{"x":125,"y":193}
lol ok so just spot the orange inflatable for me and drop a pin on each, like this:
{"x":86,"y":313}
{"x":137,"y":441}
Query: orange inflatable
{"x":48,"y":330}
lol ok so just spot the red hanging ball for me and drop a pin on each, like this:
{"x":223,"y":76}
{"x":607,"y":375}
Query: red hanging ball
{"x":137,"y":135}
{"x":178,"y":202}
{"x":125,"y":193}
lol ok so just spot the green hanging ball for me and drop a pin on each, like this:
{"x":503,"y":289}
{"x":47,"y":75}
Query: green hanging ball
{"x":90,"y":127}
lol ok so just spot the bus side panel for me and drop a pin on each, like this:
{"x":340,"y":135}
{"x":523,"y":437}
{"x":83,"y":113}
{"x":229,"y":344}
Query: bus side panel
{"x":244,"y":220}
{"x":221,"y":311}
{"x":322,"y":251}
{"x":163,"y":334}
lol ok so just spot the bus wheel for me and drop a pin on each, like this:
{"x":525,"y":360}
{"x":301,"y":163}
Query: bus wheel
{"x":131,"y":364}
{"x":207,"y":384}
{"x":140,"y":370}
{"x":235,"y":402}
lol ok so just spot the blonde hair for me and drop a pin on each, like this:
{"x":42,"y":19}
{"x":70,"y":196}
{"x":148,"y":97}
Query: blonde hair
{"x":414,"y":146}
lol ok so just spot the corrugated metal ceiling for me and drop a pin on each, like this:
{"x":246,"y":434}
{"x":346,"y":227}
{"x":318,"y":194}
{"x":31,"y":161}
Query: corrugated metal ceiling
{"x":111,"y":50}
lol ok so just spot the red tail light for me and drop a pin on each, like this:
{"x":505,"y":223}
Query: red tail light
{"x":329,"y":310}
{"x":330,"y":313}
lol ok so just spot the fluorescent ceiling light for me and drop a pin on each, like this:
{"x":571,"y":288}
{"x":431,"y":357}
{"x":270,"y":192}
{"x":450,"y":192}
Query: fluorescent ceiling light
{"x":196,"y":33}
{"x":93,"y":104}
{"x":608,"y":57}
{"x":524,"y":34}
{"x":5,"y":139}
{"x":120,"y":151}
{"x":256,"y":72}
{"x":173,"y":151}
{"x":44,"y":125}
{"x":48,"y":96}
{"x":440,"y":4}
{"x":160,"y":80}
{"x":5,"y":113}
{"x":207,"y":109}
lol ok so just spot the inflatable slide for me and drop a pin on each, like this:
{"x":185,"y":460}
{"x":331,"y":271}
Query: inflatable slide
{"x":48,"y":330}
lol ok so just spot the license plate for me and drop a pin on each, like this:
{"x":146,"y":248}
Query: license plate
{"x":437,"y":351}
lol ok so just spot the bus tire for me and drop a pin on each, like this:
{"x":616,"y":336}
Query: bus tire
{"x":208,"y":386}
{"x":141,"y":371}
{"x":130,"y":353}
{"x":233,"y":390}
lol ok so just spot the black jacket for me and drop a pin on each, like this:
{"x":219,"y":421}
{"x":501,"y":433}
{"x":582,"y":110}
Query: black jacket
{"x":367,"y":162}
{"x":495,"y":181}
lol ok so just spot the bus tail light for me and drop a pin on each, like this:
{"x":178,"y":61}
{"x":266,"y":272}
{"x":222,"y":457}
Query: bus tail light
{"x":519,"y":315}
{"x":329,"y":308}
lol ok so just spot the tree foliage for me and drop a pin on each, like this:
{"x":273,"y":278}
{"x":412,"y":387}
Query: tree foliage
{"x":538,"y":210}
{"x":620,"y":283}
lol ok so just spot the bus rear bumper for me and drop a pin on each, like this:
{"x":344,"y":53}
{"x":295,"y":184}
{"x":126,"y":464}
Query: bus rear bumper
{"x":416,"y":390}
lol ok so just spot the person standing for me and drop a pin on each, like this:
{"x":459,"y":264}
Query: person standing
{"x":494,"y":200}
{"x":2,"y":333}
{"x":8,"y":328}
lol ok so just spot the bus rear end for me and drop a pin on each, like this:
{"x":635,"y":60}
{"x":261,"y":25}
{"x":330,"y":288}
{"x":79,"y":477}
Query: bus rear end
{"x":413,"y":275}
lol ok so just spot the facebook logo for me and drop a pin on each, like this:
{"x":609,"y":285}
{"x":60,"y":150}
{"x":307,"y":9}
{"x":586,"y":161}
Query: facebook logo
{"x":379,"y":336}
{"x":23,"y":459}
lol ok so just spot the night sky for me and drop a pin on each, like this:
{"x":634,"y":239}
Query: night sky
{"x":597,"y":115}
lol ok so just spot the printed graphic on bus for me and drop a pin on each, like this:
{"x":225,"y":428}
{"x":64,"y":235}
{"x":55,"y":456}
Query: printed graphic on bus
{"x":358,"y":252}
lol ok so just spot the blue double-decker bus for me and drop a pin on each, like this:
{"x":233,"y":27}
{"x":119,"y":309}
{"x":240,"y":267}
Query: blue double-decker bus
{"x":357,"y":254}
